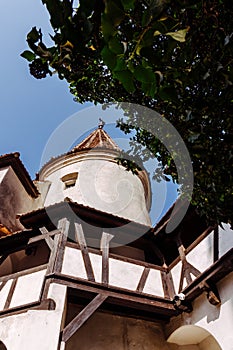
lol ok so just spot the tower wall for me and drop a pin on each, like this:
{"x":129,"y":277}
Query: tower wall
{"x":101,"y":184}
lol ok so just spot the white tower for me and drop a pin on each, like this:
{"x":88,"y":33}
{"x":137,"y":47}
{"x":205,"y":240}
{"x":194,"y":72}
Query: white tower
{"x":89,"y":175}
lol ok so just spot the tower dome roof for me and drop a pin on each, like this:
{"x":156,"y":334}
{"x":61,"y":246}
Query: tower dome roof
{"x":97,"y":139}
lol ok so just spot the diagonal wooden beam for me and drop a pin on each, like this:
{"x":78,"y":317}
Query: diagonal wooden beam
{"x":142,"y":282}
{"x":43,"y":236}
{"x":47,"y":238}
{"x":104,"y":247}
{"x":80,"y":238}
{"x":82,"y":317}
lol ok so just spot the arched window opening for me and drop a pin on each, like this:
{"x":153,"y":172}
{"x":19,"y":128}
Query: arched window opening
{"x":195,"y":336}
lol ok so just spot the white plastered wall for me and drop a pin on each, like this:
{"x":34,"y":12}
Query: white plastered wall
{"x":217,"y":320}
{"x":122,"y":274}
{"x":101,"y":184}
{"x":202,"y":256}
{"x":35,"y":329}
{"x":15,"y":200}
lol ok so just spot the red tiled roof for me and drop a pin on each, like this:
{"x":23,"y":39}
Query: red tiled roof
{"x":97,"y":139}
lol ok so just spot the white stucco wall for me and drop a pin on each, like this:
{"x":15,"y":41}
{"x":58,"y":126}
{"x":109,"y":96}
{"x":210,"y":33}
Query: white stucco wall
{"x":122,"y":274}
{"x":27,"y":289}
{"x":101,"y":184}
{"x":35,"y":329}
{"x":217,"y":320}
{"x":15,"y":200}
{"x":225,"y":239}
{"x":202,"y":256}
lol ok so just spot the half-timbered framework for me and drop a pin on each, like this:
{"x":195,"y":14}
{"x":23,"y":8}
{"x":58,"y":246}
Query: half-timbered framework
{"x":66,"y":282}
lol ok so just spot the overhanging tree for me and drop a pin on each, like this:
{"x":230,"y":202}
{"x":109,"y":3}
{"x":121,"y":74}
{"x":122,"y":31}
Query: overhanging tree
{"x":172,"y":56}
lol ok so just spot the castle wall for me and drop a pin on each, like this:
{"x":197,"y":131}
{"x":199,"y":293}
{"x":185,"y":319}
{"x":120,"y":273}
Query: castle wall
{"x":101,"y":184}
{"x":217,"y":320}
{"x":202,"y":255}
{"x":15,"y":200}
{"x":122,"y":274}
{"x":105,"y":331}
{"x":35,"y":329}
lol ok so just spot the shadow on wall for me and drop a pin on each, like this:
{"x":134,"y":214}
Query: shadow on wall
{"x":193,"y":338}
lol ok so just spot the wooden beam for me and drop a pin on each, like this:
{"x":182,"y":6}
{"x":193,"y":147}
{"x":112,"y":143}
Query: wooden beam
{"x":48,"y":304}
{"x":10,"y":294}
{"x":119,"y":296}
{"x":142,"y":282}
{"x":216,"y":244}
{"x":104,"y":247}
{"x":53,"y":254}
{"x":2,"y":285}
{"x":23,"y":273}
{"x":82,"y":317}
{"x":168,"y":285}
{"x":47,"y":237}
{"x":45,"y":234}
{"x":63,"y":226}
{"x":187,"y":269}
{"x":79,"y":235}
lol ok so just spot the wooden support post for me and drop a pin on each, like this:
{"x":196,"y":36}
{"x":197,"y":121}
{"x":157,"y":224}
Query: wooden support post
{"x":82,"y":317}
{"x":79,"y":235}
{"x":142,"y":282}
{"x":187,"y":268}
{"x":168,"y":285}
{"x":56,"y":254}
{"x":2,"y":285}
{"x":47,"y":238}
{"x":216,"y":243}
{"x":63,"y":226}
{"x":104,"y":247}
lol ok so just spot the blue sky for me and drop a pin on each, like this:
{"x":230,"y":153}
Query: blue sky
{"x":30,"y":109}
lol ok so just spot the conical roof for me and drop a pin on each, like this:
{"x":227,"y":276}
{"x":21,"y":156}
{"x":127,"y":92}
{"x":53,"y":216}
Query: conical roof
{"x":97,"y":139}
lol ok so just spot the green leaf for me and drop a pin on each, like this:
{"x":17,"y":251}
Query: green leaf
{"x":120,"y":65}
{"x":33,"y":35}
{"x":146,"y":18}
{"x":149,"y":89}
{"x":30,"y":56}
{"x":107,"y":26}
{"x":115,"y":46}
{"x":179,"y":35}
{"x":87,"y":6}
{"x":145,"y":75}
{"x":126,"y":78}
{"x":168,"y":94}
{"x":128,"y":4}
{"x":114,"y":12}
{"x":109,"y":57}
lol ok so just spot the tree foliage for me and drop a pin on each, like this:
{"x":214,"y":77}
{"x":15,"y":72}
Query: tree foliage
{"x":172,"y":56}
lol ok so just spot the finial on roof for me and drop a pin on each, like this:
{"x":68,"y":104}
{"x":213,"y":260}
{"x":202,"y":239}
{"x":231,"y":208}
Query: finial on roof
{"x":101,"y":123}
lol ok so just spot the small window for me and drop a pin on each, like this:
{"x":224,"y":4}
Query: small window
{"x":69,"y":180}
